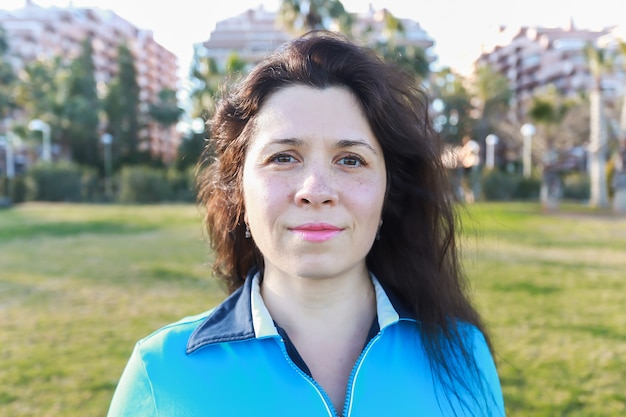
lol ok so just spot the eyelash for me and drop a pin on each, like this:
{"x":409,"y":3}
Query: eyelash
{"x":288,"y":158}
{"x":359,"y":160}
{"x":276,"y":158}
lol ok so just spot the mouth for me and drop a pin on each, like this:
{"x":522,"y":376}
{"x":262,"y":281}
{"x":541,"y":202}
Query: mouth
{"x":316,"y":232}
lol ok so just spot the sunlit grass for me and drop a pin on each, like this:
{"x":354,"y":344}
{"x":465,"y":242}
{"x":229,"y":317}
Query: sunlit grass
{"x":79,"y":284}
{"x":552,"y":287}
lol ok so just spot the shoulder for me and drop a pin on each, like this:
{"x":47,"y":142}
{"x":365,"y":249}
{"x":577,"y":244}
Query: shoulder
{"x":173,"y":336}
{"x":484,"y":366}
{"x":474,"y":341}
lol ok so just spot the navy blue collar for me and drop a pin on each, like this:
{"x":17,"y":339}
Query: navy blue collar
{"x":232,"y":319}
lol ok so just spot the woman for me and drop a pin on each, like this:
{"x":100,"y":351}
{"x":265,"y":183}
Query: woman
{"x":329,"y":215}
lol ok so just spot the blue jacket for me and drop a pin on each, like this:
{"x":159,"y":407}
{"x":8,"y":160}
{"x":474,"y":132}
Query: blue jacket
{"x":231,"y":361}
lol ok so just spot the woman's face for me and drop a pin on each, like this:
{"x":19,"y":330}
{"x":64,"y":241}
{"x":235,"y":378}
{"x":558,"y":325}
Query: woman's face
{"x":314,"y":182}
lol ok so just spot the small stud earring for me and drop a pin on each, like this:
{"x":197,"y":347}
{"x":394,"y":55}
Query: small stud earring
{"x":248,"y":235}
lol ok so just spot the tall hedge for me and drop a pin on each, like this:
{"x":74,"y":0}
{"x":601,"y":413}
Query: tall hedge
{"x":60,"y":182}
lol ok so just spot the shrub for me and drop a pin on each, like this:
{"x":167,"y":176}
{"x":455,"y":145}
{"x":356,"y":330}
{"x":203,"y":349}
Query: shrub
{"x":182,"y":184}
{"x":527,"y":189}
{"x":576,"y":186}
{"x":503,"y":186}
{"x":57,"y":181}
{"x":143,"y":184}
{"x":19,"y":189}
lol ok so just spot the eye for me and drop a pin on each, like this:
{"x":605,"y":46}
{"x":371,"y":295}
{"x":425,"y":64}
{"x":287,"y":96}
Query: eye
{"x":352,"y":161}
{"x":282,"y":158}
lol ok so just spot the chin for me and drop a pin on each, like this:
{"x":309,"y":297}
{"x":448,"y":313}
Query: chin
{"x":322,"y":270}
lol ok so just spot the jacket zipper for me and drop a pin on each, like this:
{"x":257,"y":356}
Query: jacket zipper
{"x":330,"y":408}
{"x":332,"y":412}
{"x":347,"y":405}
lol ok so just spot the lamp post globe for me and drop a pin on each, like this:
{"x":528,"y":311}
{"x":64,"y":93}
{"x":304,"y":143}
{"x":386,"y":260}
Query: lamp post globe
{"x":527,"y":130}
{"x":44,"y":128}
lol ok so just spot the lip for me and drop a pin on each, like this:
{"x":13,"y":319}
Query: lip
{"x":316,"y":232}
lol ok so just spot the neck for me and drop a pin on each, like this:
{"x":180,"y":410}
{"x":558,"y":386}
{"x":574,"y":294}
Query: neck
{"x":327,"y":319}
{"x":299,"y":303}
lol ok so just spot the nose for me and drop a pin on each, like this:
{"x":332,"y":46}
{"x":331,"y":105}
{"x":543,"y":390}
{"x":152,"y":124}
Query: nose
{"x":317,"y":189}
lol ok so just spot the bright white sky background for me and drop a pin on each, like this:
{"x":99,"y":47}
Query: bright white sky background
{"x":459,"y":27}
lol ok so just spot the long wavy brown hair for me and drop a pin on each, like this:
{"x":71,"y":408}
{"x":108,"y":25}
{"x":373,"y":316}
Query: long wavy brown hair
{"x":416,"y":255}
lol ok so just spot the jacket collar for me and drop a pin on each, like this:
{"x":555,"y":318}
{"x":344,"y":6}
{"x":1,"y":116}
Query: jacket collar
{"x":243,"y":315}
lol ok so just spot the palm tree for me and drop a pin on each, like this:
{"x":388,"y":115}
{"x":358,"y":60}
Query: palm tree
{"x":205,"y":79}
{"x":493,"y":96}
{"x":599,"y":62}
{"x":392,"y":46}
{"x":619,"y":198}
{"x":450,"y":95}
{"x":549,"y":110}
{"x":166,"y":113}
{"x":622,"y":120}
{"x":302,"y":16}
{"x":8,"y":79}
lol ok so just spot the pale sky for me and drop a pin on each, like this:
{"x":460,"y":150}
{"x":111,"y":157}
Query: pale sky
{"x":459,"y":27}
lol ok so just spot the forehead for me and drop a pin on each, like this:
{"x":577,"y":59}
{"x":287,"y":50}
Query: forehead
{"x":302,"y":111}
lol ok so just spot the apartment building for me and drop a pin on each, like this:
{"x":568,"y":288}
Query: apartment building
{"x":255,"y":33}
{"x":371,"y":27}
{"x":251,"y":35}
{"x":40,"y":33}
{"x":535,"y":57}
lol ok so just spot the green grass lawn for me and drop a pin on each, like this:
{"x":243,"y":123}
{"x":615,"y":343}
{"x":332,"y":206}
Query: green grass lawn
{"x":552,"y":288}
{"x":79,"y":284}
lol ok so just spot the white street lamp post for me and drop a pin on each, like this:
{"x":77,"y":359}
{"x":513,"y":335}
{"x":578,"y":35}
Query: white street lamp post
{"x":7,"y":143}
{"x":44,"y":128}
{"x":198,"y":125}
{"x":12,"y":141}
{"x":528,"y":130}
{"x":106,"y":140}
{"x":492,"y":141}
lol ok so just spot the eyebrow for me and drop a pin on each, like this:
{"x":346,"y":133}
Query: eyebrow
{"x":340,"y":144}
{"x":346,"y":143}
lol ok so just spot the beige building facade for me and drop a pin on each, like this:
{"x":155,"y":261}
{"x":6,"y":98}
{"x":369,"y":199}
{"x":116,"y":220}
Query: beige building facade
{"x":534,"y":57}
{"x":256,"y":32}
{"x":41,"y":33}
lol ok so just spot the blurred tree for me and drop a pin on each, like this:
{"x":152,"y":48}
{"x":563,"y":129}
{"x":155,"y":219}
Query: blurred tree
{"x":205,"y":79}
{"x":599,"y":63}
{"x":391,"y":43}
{"x":300,"y":16}
{"x":235,"y":67}
{"x":81,"y":110}
{"x":453,"y":116}
{"x":39,"y":93}
{"x":122,"y":109}
{"x":622,"y":118}
{"x":492,"y":96}
{"x":8,"y":80}
{"x":408,"y":57}
{"x":548,"y":110}
{"x":166,"y":112}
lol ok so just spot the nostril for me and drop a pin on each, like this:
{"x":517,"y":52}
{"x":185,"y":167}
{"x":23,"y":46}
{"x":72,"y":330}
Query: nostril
{"x":316,"y":189}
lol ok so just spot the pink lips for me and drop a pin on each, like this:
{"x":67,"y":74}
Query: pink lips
{"x":317,"y":232}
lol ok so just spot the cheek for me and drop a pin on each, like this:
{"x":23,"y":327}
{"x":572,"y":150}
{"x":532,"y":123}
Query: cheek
{"x":265,"y":197}
{"x":368,"y":198}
